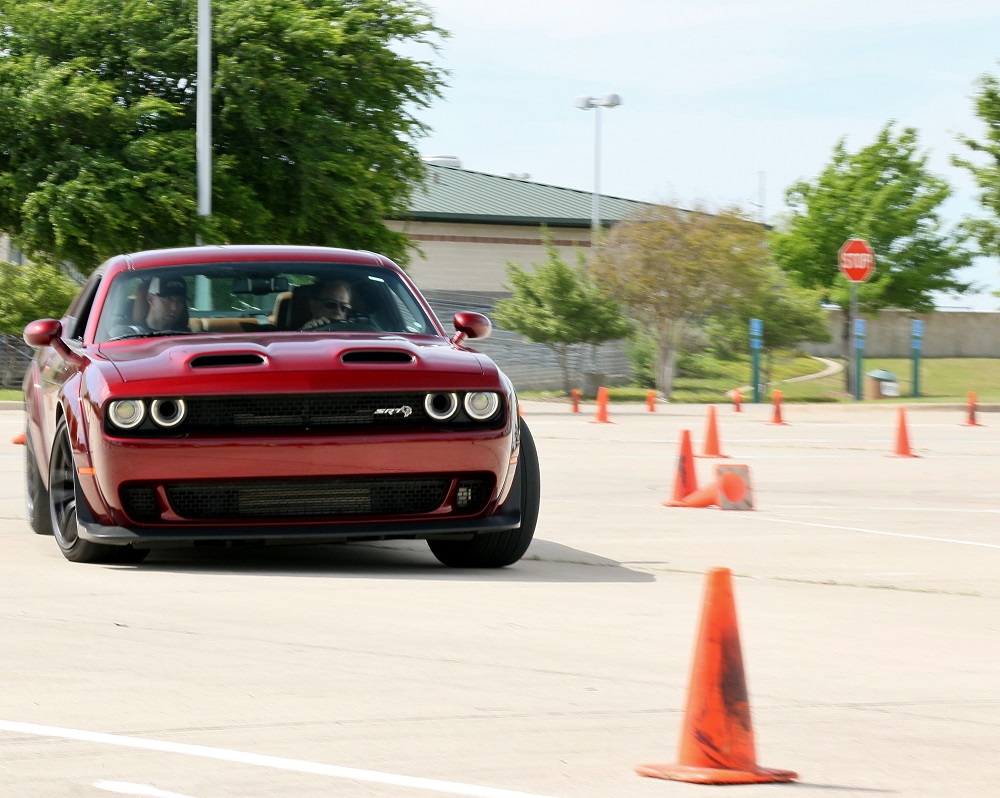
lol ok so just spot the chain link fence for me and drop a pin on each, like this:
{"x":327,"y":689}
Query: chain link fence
{"x":531,"y":366}
{"x":15,"y":355}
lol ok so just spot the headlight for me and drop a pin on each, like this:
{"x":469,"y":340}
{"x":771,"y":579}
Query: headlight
{"x":481,"y":405}
{"x":168,"y":412}
{"x":441,"y":406}
{"x":126,"y":413}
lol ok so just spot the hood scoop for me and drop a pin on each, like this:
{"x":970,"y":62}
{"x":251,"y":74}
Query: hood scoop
{"x":377,"y":356}
{"x":220,"y":361}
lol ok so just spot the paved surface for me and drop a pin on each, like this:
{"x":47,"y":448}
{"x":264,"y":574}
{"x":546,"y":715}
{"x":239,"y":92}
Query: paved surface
{"x":867,"y":589}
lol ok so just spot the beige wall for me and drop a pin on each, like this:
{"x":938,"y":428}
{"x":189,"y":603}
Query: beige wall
{"x":946,"y":334}
{"x":473,"y":257}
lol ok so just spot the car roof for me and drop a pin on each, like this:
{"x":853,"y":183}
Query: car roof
{"x":250,"y":252}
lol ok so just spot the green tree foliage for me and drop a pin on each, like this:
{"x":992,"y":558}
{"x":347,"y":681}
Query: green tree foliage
{"x":885,"y":195}
{"x":558,"y":306}
{"x":313,"y":123}
{"x":790,"y":314}
{"x":32,"y":292}
{"x":987,"y":175}
{"x":672,"y":269}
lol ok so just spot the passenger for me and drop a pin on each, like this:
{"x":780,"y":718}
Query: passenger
{"x":167,"y":309}
{"x":332,"y":303}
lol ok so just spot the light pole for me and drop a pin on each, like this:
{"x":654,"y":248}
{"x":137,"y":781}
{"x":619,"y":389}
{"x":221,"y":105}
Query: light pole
{"x":585,"y":103}
{"x":203,"y":108}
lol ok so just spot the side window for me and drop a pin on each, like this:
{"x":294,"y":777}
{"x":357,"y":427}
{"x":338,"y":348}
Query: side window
{"x":79,"y":309}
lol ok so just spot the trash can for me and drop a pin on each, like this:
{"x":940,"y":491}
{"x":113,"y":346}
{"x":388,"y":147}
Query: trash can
{"x":882,"y":384}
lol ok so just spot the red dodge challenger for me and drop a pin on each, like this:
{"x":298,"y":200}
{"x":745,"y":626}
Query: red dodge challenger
{"x":270,"y":394}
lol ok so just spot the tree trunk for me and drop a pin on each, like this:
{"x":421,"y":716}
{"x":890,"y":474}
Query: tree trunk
{"x":666,"y":358}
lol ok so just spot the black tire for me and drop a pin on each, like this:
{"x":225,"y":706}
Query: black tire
{"x":63,"y":497}
{"x":36,"y":497}
{"x":497,"y":549}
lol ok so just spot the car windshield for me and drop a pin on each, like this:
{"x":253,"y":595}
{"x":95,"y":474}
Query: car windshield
{"x":249,"y":297}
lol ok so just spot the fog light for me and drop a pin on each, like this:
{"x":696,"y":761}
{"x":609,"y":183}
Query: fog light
{"x":481,"y":405}
{"x":463,"y":497}
{"x":127,"y":413}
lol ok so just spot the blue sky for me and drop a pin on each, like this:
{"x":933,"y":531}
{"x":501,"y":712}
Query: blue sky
{"x":719,"y":98}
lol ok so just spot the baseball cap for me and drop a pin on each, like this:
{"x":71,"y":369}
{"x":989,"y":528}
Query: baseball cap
{"x":168,"y":286}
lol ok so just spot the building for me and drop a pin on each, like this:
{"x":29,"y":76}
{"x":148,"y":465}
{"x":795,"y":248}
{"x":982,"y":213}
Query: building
{"x":469,"y":224}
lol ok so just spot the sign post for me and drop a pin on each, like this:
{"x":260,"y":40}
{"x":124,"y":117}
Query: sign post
{"x":756,"y":343}
{"x":917,"y":343}
{"x":856,"y":261}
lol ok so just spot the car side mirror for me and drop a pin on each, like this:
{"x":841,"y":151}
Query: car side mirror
{"x":469,"y":324}
{"x":48,"y":332}
{"x":42,"y":332}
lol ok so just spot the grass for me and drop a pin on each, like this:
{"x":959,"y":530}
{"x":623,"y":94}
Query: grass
{"x":708,"y":380}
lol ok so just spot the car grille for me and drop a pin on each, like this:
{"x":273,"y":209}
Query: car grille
{"x":307,"y":498}
{"x":301,"y":411}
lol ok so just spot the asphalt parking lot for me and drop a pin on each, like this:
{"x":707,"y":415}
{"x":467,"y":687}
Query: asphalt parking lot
{"x":867,"y":591}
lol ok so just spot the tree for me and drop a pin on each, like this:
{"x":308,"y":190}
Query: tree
{"x":557,"y":306}
{"x":884,"y":194}
{"x":32,"y":292}
{"x":673,"y":268}
{"x":987,"y":175}
{"x":790,"y":313}
{"x":313,"y":123}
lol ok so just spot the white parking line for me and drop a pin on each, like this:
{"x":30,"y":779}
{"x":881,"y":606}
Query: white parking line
{"x":887,"y":534}
{"x":260,"y":760}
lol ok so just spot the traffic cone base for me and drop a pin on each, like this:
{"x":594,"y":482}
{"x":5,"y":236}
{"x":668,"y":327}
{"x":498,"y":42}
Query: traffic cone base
{"x":696,"y":775}
{"x":734,"y":487}
{"x":717,"y":741}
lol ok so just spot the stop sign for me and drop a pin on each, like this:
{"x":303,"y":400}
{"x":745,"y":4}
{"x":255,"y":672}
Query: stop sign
{"x":857,"y":260}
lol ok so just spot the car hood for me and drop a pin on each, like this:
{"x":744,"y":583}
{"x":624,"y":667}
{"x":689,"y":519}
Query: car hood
{"x":167,"y":358}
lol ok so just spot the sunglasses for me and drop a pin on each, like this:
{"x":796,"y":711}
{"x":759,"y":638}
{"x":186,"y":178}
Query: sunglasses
{"x":333,"y":304}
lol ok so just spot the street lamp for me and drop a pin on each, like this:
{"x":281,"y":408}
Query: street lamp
{"x":585,"y":103}
{"x":203,"y":108}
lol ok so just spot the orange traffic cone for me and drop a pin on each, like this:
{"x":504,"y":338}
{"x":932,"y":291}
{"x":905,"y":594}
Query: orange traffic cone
{"x":717,"y":742}
{"x":601,"y":414}
{"x":686,"y":480}
{"x":708,"y":496}
{"x":971,"y":422}
{"x":575,"y":398}
{"x":777,"y":410}
{"x":651,"y":401}
{"x":712,"y":437}
{"x":902,"y":438}
{"x":20,"y":439}
{"x":737,"y":399}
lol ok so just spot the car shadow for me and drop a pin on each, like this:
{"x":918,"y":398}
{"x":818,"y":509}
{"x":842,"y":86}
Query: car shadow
{"x":545,"y":561}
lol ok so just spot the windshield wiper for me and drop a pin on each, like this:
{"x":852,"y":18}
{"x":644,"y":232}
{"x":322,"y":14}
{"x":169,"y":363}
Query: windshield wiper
{"x":149,"y":334}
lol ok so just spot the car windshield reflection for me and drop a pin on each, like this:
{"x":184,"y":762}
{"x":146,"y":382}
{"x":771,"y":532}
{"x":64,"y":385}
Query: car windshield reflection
{"x":232,"y":298}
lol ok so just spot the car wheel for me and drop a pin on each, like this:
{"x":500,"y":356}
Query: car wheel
{"x":63,"y":496}
{"x":36,"y":497}
{"x":497,"y":549}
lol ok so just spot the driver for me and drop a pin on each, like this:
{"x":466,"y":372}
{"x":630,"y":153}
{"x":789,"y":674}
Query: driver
{"x":168,"y":308}
{"x":331,"y":303}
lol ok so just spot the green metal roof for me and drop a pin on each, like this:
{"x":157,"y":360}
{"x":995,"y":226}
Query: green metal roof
{"x":460,"y":195}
